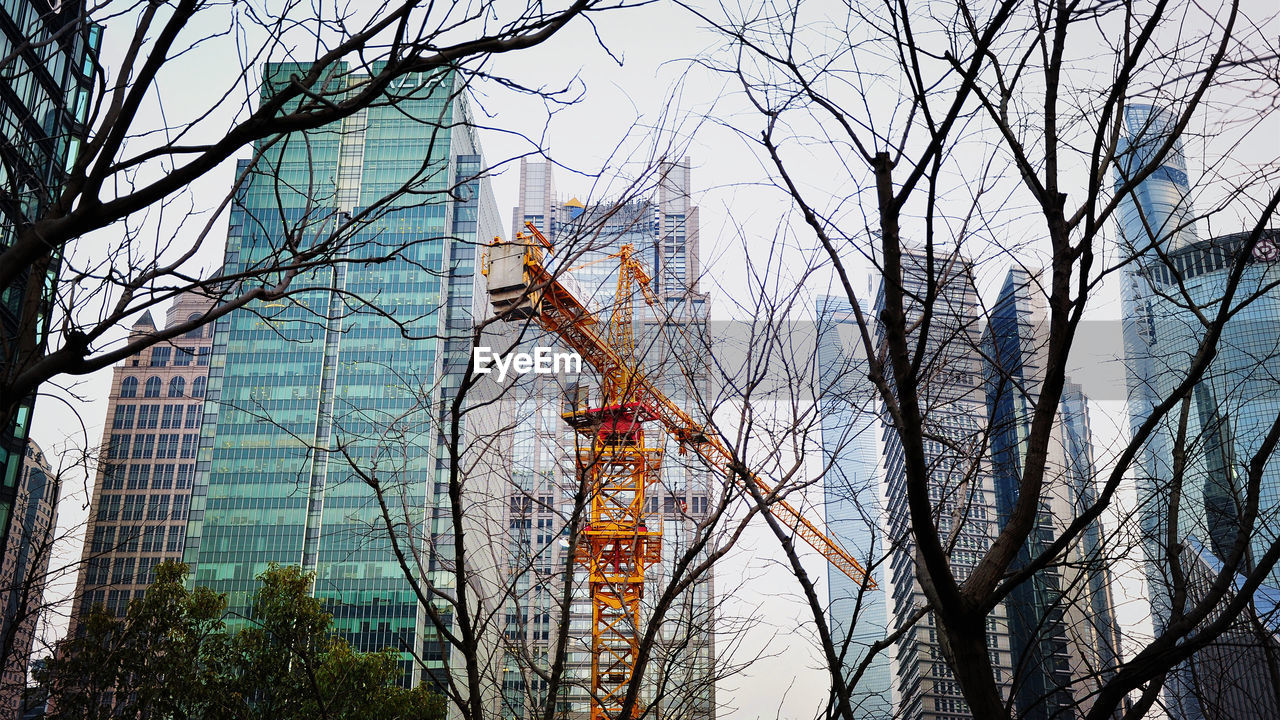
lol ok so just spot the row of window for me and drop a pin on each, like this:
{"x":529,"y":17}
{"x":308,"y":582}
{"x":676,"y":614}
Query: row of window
{"x":153,"y":386}
{"x":132,"y":508}
{"x":149,"y":416}
{"x":148,"y":445}
{"x":117,"y":601}
{"x":164,"y":356}
{"x":132,"y":538}
{"x":161,"y":476}
{"x":121,"y":571}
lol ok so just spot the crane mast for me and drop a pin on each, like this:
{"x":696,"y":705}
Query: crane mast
{"x":616,"y":546}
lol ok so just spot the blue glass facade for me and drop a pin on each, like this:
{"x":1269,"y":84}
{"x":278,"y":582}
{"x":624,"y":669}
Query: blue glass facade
{"x":1159,"y":210}
{"x":1167,"y":300}
{"x":1061,"y":620}
{"x":1037,"y":627}
{"x":1230,"y":409}
{"x":316,"y":397}
{"x":851,"y":496}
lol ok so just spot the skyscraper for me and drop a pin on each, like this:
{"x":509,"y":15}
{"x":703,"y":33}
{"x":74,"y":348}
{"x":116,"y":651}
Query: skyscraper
{"x":49,"y":56}
{"x":142,"y":490}
{"x":1229,"y":414}
{"x":1061,"y":621}
{"x":1229,"y":410}
{"x":539,"y":463}
{"x":851,"y":494}
{"x":960,"y":483}
{"x":24,"y":574}
{"x":326,"y":401}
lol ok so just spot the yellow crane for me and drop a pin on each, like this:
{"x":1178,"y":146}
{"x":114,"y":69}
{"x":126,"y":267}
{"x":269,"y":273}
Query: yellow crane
{"x":616,"y":545}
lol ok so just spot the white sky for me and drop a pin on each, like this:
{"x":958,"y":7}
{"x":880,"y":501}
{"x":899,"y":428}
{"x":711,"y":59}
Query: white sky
{"x":611,"y":128}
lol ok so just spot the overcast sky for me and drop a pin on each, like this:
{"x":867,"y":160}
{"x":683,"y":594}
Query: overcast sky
{"x":645,"y":99}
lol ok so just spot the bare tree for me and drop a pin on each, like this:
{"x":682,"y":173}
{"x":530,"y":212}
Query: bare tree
{"x":972,"y":138}
{"x":128,"y":222}
{"x":127,"y":187}
{"x":515,"y":603}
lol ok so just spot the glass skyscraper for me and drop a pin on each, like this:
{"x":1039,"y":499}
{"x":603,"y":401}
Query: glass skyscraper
{"x":49,"y":59}
{"x":961,"y":488}
{"x":1061,"y":621}
{"x":346,"y":385}
{"x":1228,"y":412}
{"x":851,"y":497}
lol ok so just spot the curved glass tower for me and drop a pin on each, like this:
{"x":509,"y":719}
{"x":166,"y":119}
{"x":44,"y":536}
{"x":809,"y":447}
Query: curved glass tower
{"x":1174,"y":289}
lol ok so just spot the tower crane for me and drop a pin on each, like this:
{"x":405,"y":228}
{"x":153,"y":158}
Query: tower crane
{"x":617,"y":546}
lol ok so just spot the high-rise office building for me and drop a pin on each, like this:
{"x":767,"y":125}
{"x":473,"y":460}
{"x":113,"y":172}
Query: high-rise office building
{"x":961,"y":489}
{"x":1061,"y":621}
{"x":49,"y":55}
{"x":24,"y":574}
{"x":346,"y":385}
{"x":1232,"y":406}
{"x":851,"y":498}
{"x":538,"y":465}
{"x":1234,"y":676}
{"x":1229,"y":414}
{"x":142,"y":490}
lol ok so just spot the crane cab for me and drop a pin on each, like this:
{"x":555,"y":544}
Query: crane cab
{"x":510,"y":283}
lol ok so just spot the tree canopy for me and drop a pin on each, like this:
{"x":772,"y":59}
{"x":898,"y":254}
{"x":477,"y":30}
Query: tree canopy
{"x":172,"y":656}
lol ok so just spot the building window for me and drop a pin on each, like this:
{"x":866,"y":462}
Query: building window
{"x":168,"y":446}
{"x":124,"y":417}
{"x":193,"y":413}
{"x":152,"y":389}
{"x":138,"y":475}
{"x":182,"y":358}
{"x":145,"y":565}
{"x":122,"y":571}
{"x":104,"y":539}
{"x":197,"y":331}
{"x":177,"y":387}
{"x":148,"y":417}
{"x":185,"y":473}
{"x":202,"y":356}
{"x":172,"y":417}
{"x":132,"y":508}
{"x":108,"y":511}
{"x":113,"y":475}
{"x":129,"y":387}
{"x":160,"y":356}
{"x":97,"y":573}
{"x":158,"y":507}
{"x":118,"y":447}
{"x":118,"y":600}
{"x":162,"y":478}
{"x":189,"y":443}
{"x":153,"y":539}
{"x":144,"y":446}
{"x":177,"y":538}
{"x":180,"y":505}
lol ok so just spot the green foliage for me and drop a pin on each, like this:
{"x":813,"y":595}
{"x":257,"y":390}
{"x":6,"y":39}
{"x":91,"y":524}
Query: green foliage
{"x":171,"y":658}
